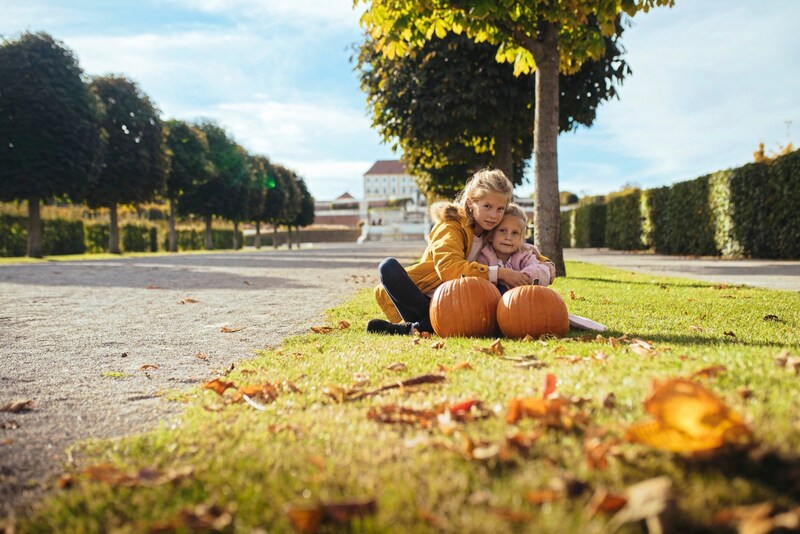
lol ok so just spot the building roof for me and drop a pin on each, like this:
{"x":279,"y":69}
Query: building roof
{"x":387,"y":166}
{"x":344,"y":196}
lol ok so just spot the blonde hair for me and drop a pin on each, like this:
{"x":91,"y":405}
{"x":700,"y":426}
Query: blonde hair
{"x":515,"y":210}
{"x":483,"y":182}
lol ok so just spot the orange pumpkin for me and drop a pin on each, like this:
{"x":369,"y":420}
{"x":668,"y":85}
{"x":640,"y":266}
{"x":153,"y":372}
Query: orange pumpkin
{"x":532,"y":311}
{"x":465,"y":307}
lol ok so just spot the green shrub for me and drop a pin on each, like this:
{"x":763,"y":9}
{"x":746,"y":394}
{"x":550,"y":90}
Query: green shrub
{"x":96,"y":237}
{"x":193,"y":239}
{"x":60,"y":236}
{"x":137,"y":238}
{"x":590,"y":225}
{"x":690,"y":229}
{"x":624,"y":221}
{"x":13,"y":235}
{"x":654,"y":218}
{"x":566,"y":228}
{"x":765,"y":205}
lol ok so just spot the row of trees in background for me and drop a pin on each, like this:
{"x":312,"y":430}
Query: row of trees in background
{"x":551,"y":38}
{"x":103,"y":142}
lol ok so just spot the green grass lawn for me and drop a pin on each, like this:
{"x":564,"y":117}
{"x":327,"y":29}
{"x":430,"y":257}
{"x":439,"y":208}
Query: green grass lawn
{"x":230,"y":466}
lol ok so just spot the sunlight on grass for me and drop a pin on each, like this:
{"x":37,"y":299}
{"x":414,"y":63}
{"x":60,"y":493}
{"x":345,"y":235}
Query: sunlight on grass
{"x":305,"y":448}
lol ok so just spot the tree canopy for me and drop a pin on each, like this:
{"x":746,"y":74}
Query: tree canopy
{"x":453,"y":108}
{"x":549,"y":37}
{"x":50,"y":140}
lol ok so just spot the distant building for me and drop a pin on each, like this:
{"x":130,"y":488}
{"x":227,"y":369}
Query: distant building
{"x":341,"y":211}
{"x":387,"y":180}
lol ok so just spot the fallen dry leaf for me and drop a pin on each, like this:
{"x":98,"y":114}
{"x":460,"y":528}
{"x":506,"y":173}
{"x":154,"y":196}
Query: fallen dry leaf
{"x":343,"y":325}
{"x":697,"y":328}
{"x":205,"y":517}
{"x":510,"y":515}
{"x":309,"y":519}
{"x":761,"y":518}
{"x":228,"y":330}
{"x":495,"y":349}
{"x":730,"y":333}
{"x":188,"y":301}
{"x":688,"y":418}
{"x":550,"y":384}
{"x":572,"y":295}
{"x":438,"y":345}
{"x":16,"y":406}
{"x":651,"y":500}
{"x":709,"y":372}
{"x":322,"y":329}
{"x":397,"y":366}
{"x":463,"y":366}
{"x":605,"y":502}
{"x":542,"y":496}
{"x":109,"y":474}
{"x":201,"y":356}
{"x":148,"y":366}
{"x":771,"y":317}
{"x":11,"y":424}
{"x":220,"y":386}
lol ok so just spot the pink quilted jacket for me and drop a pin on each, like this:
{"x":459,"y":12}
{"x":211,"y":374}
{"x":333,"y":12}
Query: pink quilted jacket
{"x":527,"y":259}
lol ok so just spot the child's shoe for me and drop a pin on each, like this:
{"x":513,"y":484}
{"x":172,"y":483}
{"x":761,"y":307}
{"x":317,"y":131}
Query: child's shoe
{"x":379,"y":326}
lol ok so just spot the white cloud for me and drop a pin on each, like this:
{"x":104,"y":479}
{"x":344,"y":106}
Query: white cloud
{"x":708,"y":85}
{"x":303,"y":13}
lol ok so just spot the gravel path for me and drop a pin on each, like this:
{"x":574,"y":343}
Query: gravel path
{"x":74,"y":335}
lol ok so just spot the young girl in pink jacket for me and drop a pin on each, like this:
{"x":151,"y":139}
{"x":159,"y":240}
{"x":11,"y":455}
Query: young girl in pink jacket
{"x":506,"y":247}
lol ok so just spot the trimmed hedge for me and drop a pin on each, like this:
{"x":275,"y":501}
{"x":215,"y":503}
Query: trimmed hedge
{"x":567,"y":218}
{"x":193,"y":239}
{"x":590,"y":225}
{"x":749,"y":211}
{"x":59,"y":236}
{"x":624,"y":222}
{"x":139,"y":238}
{"x":96,"y":238}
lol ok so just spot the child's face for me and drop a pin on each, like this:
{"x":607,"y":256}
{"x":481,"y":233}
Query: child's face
{"x":488,"y":211}
{"x":509,"y":235}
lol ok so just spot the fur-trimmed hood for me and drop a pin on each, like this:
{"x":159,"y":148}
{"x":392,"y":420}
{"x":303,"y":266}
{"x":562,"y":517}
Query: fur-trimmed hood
{"x":448,"y":211}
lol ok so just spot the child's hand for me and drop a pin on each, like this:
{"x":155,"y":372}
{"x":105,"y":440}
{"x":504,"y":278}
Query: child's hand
{"x":511,"y":278}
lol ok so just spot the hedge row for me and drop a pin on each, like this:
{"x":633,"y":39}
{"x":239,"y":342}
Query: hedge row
{"x":60,"y":236}
{"x":749,"y":211}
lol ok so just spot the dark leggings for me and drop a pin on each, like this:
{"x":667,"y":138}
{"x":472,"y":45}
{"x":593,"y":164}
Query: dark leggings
{"x":412,"y":304}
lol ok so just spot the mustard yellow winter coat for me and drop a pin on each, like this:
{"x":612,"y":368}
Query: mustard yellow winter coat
{"x":444,"y":259}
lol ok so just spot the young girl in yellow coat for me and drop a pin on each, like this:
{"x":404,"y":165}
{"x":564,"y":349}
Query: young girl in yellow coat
{"x":454,"y":243}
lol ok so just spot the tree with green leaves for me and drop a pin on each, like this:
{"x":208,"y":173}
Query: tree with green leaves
{"x":262,"y":174}
{"x":50,"y":139}
{"x":293,"y":198}
{"x":453,"y":108}
{"x":281,"y":204}
{"x":305,"y":212}
{"x":189,"y":167}
{"x":134,"y":159}
{"x":218,"y":195}
{"x":537,"y":35}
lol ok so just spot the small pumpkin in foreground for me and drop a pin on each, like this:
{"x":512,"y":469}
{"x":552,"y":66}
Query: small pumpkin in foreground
{"x":465,"y":307}
{"x":532,"y":311}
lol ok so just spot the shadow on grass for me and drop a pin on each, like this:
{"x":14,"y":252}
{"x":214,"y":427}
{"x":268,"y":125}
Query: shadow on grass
{"x":688,"y":284}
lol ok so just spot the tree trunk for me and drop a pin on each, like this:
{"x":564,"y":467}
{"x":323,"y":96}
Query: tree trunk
{"x":289,"y":236}
{"x":34,"y":228}
{"x":274,"y":236}
{"x":547,"y":214}
{"x":297,"y":233}
{"x":257,"y":238}
{"x":113,"y":229}
{"x":173,"y":235}
{"x":235,"y":235}
{"x":208,"y":242}
{"x":503,"y":156}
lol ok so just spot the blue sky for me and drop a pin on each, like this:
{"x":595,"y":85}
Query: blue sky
{"x":711,"y":79}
